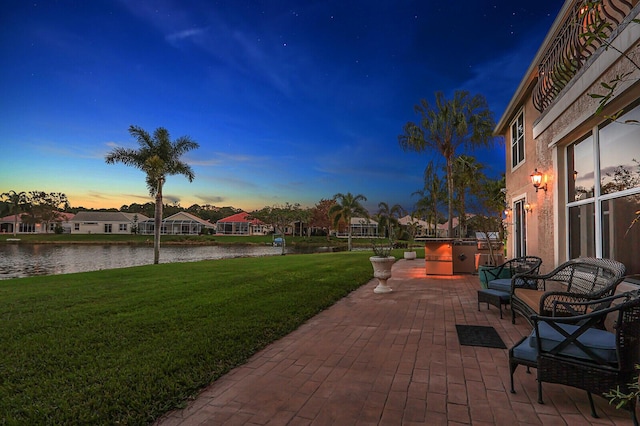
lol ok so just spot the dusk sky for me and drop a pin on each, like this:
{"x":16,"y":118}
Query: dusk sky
{"x":290,"y":101}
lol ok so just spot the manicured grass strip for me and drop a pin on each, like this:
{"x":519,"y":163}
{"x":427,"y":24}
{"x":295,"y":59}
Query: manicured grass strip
{"x":126,"y":345}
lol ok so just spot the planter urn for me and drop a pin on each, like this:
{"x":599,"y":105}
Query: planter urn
{"x":410,"y":255}
{"x":382,"y":271}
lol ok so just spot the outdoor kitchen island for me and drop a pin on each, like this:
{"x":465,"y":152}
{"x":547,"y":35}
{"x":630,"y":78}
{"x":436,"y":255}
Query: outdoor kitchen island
{"x":446,"y":256}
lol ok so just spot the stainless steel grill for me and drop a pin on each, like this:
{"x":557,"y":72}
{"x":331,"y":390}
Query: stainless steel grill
{"x":483,"y":244}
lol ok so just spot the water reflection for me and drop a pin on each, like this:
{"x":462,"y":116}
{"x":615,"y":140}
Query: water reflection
{"x":24,"y":260}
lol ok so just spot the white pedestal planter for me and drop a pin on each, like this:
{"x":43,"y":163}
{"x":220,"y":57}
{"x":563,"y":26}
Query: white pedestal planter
{"x":409,"y":255}
{"x":382,"y":271}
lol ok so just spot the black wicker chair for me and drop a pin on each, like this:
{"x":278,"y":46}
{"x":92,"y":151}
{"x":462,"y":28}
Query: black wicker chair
{"x":496,"y":280}
{"x":575,"y":351}
{"x":499,"y":277}
{"x":578,"y":280}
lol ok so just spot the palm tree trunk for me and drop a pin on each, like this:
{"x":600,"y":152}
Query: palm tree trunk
{"x":157,"y":225}
{"x":450,"y":195}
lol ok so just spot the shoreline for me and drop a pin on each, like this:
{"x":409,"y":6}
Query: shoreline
{"x":174,"y":240}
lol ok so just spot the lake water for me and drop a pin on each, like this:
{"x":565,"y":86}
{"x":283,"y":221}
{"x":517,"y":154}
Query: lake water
{"x":24,"y":260}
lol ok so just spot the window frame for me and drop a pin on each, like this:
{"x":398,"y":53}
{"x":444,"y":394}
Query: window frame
{"x":598,"y":197}
{"x":520,"y":143}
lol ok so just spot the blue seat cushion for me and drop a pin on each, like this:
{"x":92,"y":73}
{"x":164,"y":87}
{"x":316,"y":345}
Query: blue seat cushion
{"x":525,"y":351}
{"x":504,"y":296}
{"x":502,"y":284}
{"x":602,"y":342}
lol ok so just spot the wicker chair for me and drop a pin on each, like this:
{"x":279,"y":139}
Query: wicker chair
{"x":574,"y":351}
{"x":496,"y":280}
{"x":578,"y":280}
{"x":499,"y":277}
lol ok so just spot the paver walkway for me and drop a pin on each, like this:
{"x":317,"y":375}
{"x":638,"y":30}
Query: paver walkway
{"x":391,"y":359}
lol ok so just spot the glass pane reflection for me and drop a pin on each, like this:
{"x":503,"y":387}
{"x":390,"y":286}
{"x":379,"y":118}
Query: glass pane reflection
{"x":620,"y":154}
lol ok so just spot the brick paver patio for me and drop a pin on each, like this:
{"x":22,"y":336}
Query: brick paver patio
{"x":391,"y":359}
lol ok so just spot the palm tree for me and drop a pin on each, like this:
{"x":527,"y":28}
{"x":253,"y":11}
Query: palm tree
{"x":467,"y":176}
{"x":158,"y":157}
{"x":17,"y":202}
{"x":430,"y":196}
{"x":388,"y":216}
{"x":463,"y":121}
{"x":347,"y":205}
{"x":491,"y":193}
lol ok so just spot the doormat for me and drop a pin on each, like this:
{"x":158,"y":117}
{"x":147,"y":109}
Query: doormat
{"x":479,"y":335}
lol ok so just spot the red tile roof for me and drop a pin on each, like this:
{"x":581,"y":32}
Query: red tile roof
{"x":240,"y":217}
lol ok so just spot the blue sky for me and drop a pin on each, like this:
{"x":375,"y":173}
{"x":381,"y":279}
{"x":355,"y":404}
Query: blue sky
{"x":290,"y":101}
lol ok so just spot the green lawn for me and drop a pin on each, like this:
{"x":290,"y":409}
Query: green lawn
{"x":126,"y":345}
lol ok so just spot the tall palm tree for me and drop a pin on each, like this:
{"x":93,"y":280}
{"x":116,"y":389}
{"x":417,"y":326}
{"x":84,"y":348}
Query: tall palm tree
{"x":16,"y":202}
{"x":491,"y":193}
{"x":347,"y":206}
{"x":388,"y":216}
{"x":436,"y":189}
{"x":467,"y":177}
{"x":158,"y":157}
{"x":463,"y":121}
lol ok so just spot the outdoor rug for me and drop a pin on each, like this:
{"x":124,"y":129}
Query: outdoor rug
{"x":479,"y":335}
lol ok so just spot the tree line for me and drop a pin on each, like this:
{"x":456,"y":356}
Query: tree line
{"x":447,"y":126}
{"x":34,"y":207}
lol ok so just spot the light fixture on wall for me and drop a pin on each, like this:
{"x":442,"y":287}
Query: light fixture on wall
{"x":528,"y":208}
{"x":536,"y":180}
{"x":507,"y":211}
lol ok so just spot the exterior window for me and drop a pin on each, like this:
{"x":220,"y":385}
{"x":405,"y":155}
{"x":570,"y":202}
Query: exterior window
{"x":604,"y":193}
{"x":519,"y":228}
{"x":107,"y":228}
{"x":517,"y":140}
{"x":620,"y":155}
{"x":582,"y":239}
{"x":76,"y":226}
{"x":581,"y":169}
{"x":122,"y":227}
{"x":26,"y":227}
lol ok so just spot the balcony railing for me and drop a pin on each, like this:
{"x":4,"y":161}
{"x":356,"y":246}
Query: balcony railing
{"x":573,"y":46}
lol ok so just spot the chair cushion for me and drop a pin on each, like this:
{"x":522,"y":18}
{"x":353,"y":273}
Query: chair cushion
{"x":488,"y":273}
{"x":602,"y":342}
{"x":530,"y":297}
{"x":525,"y":351}
{"x":503,"y":295}
{"x":502,"y":284}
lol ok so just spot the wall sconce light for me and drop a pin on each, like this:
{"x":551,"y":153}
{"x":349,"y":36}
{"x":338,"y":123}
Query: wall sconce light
{"x":507,"y":211}
{"x":536,"y":180}
{"x":528,"y":208}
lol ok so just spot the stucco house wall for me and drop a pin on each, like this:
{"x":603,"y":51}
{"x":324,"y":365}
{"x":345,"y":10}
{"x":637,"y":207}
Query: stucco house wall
{"x":90,"y":222}
{"x":571,"y":115}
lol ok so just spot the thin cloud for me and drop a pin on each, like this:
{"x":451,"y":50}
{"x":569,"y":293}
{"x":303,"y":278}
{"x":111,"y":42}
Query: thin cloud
{"x":211,"y":199}
{"x":185,"y":35}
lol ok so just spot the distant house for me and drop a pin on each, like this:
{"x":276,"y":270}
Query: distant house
{"x":85,"y":222}
{"x":181,"y":223}
{"x":7,"y":224}
{"x":457,"y":231}
{"x":360,"y":227}
{"x":423,"y":228}
{"x":240,"y":224}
